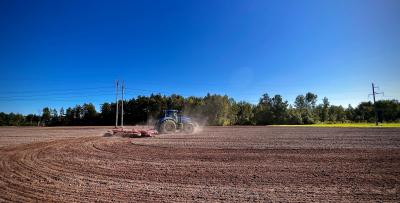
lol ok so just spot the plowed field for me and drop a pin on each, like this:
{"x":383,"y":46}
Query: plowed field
{"x":232,"y":164}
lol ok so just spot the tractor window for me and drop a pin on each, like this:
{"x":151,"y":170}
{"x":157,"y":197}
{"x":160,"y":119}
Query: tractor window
{"x":171,"y":114}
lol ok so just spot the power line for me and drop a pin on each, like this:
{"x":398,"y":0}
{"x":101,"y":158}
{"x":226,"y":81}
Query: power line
{"x":39,"y":93}
{"x":56,"y":90}
{"x":374,"y":93}
{"x":68,"y":94}
{"x":45,"y":99}
{"x":80,"y":94}
{"x":49,"y":96}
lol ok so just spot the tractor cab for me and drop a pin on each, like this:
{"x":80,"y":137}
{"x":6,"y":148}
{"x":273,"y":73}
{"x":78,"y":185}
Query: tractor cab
{"x":171,"y":114}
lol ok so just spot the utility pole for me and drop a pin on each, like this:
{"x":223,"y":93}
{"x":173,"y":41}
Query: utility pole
{"x":122,"y":106}
{"x":373,"y":95}
{"x":116,"y":102}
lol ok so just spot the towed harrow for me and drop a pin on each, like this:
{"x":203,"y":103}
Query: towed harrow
{"x":134,"y":132}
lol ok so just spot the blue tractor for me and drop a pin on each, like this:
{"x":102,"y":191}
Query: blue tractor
{"x":172,"y":121}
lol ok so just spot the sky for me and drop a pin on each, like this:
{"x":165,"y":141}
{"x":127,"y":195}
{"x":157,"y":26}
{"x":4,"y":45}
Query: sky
{"x":66,"y":52}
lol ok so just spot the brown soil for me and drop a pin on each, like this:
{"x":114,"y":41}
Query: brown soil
{"x":232,"y":164}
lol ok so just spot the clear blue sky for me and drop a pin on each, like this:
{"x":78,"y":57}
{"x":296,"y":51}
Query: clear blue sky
{"x":62,"y":53}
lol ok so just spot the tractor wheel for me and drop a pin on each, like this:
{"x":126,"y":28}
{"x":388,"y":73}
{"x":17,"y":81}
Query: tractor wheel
{"x":188,"y":128}
{"x":168,"y":126}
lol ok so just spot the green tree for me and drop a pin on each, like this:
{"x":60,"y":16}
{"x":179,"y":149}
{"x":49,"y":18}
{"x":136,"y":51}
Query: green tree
{"x":365,"y":112}
{"x":244,"y":113}
{"x":294,"y":116}
{"x":29,"y":119}
{"x":337,"y":114}
{"x":311,"y":100}
{"x":217,"y":109}
{"x":46,"y":115}
{"x":325,"y":110}
{"x":3,"y":119}
{"x":300,"y":102}
{"x":62,"y":112}
{"x":389,"y":110}
{"x":263,"y":111}
{"x":16,"y":119}
{"x":279,"y":110}
{"x":194,"y":107}
{"x":69,"y":116}
{"x":89,"y":114}
{"x":350,"y":113}
{"x":304,"y":107}
{"x":107,"y":115}
{"x":78,"y":113}
{"x":175,"y":102}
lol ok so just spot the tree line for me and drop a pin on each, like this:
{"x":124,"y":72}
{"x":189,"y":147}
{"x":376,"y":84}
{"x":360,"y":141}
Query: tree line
{"x":213,"y":109}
